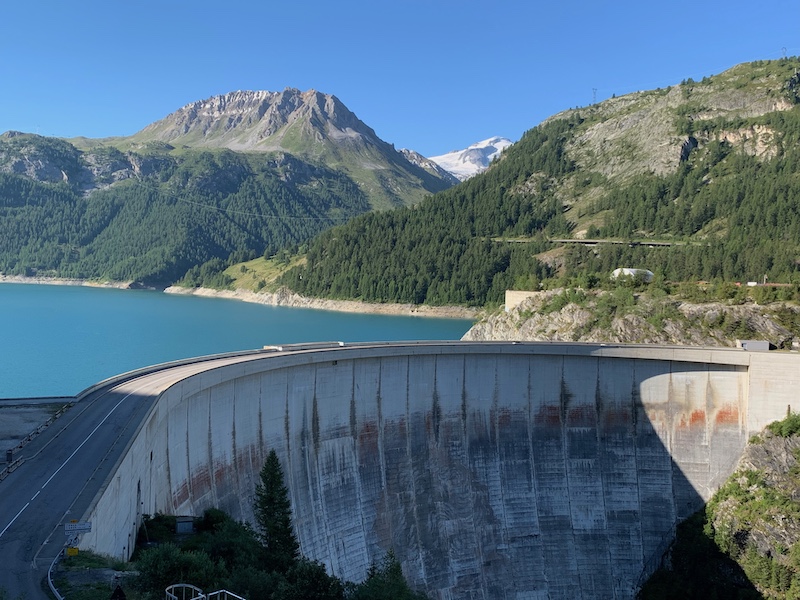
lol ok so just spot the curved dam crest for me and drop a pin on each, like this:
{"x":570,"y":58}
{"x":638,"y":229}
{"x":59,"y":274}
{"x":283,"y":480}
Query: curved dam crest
{"x":493,"y":470}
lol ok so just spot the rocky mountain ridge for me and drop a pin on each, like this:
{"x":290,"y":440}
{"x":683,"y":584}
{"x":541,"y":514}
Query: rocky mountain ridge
{"x":429,"y":165}
{"x":311,"y":126}
{"x":258,"y":121}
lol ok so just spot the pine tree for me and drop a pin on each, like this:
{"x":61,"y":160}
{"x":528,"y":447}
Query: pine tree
{"x":273,"y":513}
{"x":385,"y":581}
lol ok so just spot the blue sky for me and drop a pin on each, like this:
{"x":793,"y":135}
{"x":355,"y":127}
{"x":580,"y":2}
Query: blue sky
{"x":430,"y":75}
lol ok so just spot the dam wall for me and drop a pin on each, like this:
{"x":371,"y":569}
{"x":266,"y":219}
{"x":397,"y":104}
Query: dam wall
{"x":493,"y":470}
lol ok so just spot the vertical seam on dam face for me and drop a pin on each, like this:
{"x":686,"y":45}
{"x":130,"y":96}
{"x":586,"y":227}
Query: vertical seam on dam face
{"x":635,"y":403}
{"x":237,"y":471}
{"x":492,"y":471}
{"x":410,"y":454}
{"x":597,"y":414}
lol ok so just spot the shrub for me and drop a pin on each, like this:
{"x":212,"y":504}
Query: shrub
{"x":787,"y":427}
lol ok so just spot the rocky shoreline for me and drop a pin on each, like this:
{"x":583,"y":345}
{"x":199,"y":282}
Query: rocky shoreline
{"x":122,"y":285}
{"x":282,"y":297}
{"x":285,"y":297}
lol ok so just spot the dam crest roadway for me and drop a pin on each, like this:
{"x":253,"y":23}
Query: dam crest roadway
{"x":492,"y":469}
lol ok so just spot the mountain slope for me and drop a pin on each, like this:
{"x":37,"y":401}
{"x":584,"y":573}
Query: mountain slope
{"x":698,"y":181}
{"x":429,"y":165}
{"x":150,"y":217}
{"x":310,"y":125}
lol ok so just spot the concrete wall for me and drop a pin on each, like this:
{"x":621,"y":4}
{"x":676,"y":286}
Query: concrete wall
{"x":494,"y":470}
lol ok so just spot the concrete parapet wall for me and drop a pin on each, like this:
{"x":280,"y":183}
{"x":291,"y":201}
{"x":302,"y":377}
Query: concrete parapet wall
{"x":493,"y":470}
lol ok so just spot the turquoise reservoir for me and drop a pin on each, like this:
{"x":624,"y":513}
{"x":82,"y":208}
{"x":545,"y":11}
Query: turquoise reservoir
{"x":58,"y":340}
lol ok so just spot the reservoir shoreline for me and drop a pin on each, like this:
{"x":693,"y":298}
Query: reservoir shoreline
{"x":282,"y":297}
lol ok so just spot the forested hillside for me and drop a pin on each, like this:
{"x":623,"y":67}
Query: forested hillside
{"x":165,"y":214}
{"x":442,"y":250}
{"x":723,"y":194}
{"x":219,"y":180}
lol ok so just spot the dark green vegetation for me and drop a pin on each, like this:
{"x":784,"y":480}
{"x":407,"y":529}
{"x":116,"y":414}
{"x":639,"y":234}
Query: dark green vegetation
{"x":746,"y":542}
{"x":273,"y":514}
{"x":263,"y":564}
{"x":170,"y":212}
{"x":730,"y":211}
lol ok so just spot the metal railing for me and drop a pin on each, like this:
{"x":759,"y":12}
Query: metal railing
{"x":187,"y":591}
{"x":184,"y":591}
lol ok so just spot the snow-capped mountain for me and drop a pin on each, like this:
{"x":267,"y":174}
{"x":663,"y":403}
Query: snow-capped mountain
{"x":471,"y":161}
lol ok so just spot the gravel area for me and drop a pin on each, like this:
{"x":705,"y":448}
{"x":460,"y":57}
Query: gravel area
{"x":19,"y":418}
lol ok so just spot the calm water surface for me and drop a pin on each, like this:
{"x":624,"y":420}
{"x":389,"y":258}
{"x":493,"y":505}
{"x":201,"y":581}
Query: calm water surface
{"x":58,"y":340}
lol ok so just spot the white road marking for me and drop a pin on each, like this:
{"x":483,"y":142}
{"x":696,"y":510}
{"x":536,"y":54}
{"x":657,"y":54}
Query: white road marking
{"x":80,"y":446}
{"x":14,"y":519}
{"x":88,"y":437}
{"x":171,"y":375}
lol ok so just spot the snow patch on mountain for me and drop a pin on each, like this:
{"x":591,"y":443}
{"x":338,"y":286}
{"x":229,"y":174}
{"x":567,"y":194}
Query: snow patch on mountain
{"x":473,"y":160}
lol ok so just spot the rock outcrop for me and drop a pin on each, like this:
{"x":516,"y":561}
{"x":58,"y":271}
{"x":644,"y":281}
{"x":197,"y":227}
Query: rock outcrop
{"x":573,"y":315}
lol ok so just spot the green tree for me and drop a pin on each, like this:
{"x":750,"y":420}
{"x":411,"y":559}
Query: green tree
{"x":166,"y":564}
{"x":308,"y":580}
{"x":231,"y":544}
{"x":273,"y":514}
{"x":385,"y":581}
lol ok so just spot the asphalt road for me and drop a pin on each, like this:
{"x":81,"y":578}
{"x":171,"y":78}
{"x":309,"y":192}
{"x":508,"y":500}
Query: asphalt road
{"x":62,"y":470}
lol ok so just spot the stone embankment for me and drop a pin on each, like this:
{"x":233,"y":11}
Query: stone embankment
{"x":122,"y":285}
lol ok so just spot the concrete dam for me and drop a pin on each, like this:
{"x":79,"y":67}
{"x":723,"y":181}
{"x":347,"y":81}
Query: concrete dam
{"x":493,"y":470}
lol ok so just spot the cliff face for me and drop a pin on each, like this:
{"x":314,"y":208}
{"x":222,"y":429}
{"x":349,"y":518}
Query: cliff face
{"x":645,"y":131}
{"x":623,"y":317}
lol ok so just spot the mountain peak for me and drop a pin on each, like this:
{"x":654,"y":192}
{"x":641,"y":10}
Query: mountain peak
{"x":463,"y":164}
{"x":257,"y":121}
{"x":310,"y":125}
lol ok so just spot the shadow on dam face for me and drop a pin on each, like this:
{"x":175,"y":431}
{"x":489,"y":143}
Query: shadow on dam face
{"x":490,"y":475}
